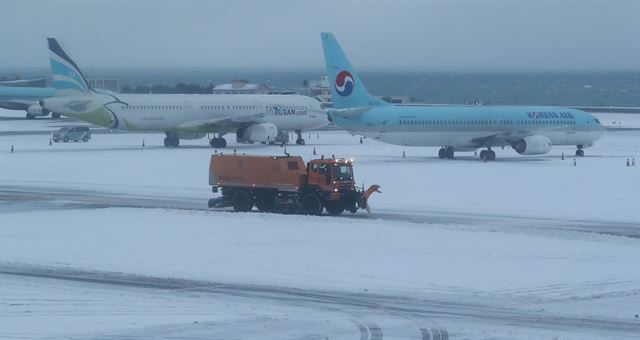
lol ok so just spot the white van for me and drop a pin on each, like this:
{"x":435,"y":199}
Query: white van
{"x":74,"y":133}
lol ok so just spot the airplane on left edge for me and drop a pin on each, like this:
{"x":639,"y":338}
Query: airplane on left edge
{"x":26,"y":98}
{"x":253,"y":117}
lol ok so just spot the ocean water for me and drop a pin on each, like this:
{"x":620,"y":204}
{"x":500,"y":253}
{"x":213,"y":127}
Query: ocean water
{"x":516,"y":88}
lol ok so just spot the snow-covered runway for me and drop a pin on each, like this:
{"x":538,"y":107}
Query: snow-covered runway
{"x":109,"y":239}
{"x":291,"y":311}
{"x":37,"y":197}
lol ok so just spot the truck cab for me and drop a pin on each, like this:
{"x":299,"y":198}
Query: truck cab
{"x":331,"y":175}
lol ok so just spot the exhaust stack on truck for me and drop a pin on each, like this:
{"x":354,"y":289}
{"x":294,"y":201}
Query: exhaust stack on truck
{"x":285,"y":184}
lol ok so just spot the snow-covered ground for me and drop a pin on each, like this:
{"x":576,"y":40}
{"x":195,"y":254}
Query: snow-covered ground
{"x":523,"y":247}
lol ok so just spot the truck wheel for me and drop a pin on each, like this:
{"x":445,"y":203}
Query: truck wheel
{"x":311,"y":205}
{"x":211,"y":203}
{"x":265,"y":203}
{"x":241,"y":201}
{"x":334,"y":208}
{"x":65,"y":139}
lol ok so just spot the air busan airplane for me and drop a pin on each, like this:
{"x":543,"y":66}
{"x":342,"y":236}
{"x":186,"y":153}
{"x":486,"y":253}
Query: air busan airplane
{"x":529,"y":130}
{"x":254,"y":118}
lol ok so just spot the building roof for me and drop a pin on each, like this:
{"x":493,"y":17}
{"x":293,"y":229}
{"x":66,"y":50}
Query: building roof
{"x":240,"y":85}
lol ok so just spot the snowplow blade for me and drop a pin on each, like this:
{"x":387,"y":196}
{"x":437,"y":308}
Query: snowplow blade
{"x":366,"y":194}
{"x":371,"y":190}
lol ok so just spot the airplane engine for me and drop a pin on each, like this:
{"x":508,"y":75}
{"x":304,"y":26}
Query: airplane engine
{"x":532,"y":145}
{"x":37,"y":110}
{"x":190,"y":135}
{"x":261,"y":132}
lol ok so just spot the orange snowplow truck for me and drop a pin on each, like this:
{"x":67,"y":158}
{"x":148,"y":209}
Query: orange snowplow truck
{"x":286,"y":185}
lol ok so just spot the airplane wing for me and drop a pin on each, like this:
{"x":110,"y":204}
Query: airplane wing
{"x":228,"y":121}
{"x":500,"y":139}
{"x":248,"y":118}
{"x":348,"y":113}
{"x":79,"y":105}
{"x":199,"y":123}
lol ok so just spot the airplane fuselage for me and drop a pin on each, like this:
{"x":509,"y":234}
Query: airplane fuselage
{"x":191,"y":113}
{"x":24,"y":98}
{"x":471,"y":127}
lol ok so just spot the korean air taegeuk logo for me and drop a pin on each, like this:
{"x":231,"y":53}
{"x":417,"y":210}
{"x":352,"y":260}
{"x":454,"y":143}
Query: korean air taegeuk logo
{"x":344,"y":83}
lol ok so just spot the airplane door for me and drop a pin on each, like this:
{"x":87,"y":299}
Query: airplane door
{"x":569,"y":134}
{"x":572,"y":129}
{"x":383,"y":125}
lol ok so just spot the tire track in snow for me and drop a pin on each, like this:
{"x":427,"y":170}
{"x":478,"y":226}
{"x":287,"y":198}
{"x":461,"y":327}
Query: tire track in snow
{"x":375,"y":331}
{"x":364,"y":332}
{"x":434,"y":334}
{"x":349,"y":302}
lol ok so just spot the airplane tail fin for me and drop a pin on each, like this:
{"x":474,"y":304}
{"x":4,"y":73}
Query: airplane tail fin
{"x":347,"y":91}
{"x":67,"y":77}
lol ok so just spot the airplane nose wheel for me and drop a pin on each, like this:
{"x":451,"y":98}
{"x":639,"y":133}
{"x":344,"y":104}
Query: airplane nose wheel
{"x":171,"y":141}
{"x":579,"y":152}
{"x":487,"y":155}
{"x":445,"y":152}
{"x":442,"y":153}
{"x":300,"y":140}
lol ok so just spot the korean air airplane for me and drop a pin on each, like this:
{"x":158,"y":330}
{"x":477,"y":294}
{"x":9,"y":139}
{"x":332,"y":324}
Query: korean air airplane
{"x":529,"y":130}
{"x":253,"y":118}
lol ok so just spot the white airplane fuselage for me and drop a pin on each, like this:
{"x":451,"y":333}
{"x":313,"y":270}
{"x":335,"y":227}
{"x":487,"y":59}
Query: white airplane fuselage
{"x":191,"y":112}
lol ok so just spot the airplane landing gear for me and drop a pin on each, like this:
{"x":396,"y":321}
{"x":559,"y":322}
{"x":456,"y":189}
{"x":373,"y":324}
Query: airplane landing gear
{"x":580,"y":152}
{"x":171,"y":141}
{"x":300,"y":140}
{"x":487,"y":155}
{"x":445,"y":152}
{"x":218,"y":142}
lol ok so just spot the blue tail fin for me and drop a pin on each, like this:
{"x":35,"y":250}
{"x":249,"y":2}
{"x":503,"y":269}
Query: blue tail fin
{"x":67,"y":77}
{"x":347,"y":91}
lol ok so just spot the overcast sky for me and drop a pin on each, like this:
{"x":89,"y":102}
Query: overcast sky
{"x":435,"y":35}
